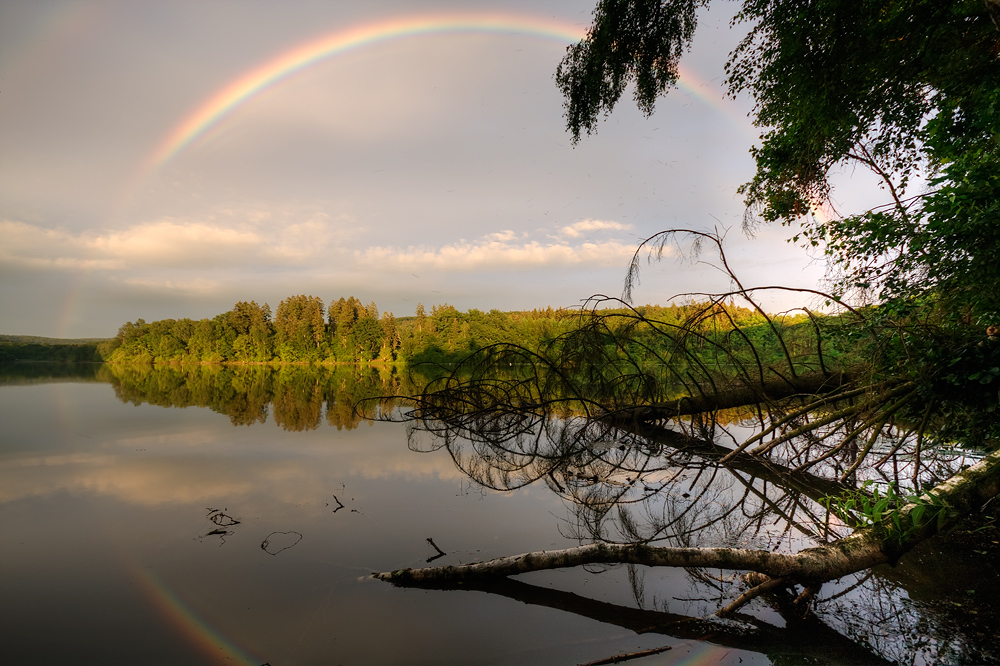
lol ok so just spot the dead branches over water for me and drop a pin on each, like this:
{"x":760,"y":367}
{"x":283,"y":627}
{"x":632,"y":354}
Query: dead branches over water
{"x":713,"y":434}
{"x":964,"y":493}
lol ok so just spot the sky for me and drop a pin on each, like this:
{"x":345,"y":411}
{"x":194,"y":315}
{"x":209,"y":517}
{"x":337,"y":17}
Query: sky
{"x":168,"y":159}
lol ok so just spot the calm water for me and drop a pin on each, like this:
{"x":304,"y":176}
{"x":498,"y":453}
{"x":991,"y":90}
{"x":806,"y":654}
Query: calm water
{"x":137,"y":532}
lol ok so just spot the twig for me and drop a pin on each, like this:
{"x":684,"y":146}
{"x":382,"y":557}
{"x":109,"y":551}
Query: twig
{"x":751,"y":594}
{"x":617,"y":659}
{"x":804,"y":601}
{"x":440,"y":554}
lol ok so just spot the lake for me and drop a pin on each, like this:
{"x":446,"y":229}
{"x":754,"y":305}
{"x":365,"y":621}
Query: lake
{"x":234,"y":516}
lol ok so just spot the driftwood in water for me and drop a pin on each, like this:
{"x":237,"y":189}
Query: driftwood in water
{"x":963,"y":494}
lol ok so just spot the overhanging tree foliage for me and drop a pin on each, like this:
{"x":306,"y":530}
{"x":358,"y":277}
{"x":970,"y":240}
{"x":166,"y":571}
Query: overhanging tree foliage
{"x":909,"y":90}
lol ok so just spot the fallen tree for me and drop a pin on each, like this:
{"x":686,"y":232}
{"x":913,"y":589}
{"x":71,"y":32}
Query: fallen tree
{"x":831,"y":386}
{"x":594,"y":416}
{"x":642,"y":427}
{"x":895,"y":533}
{"x":605,"y":414}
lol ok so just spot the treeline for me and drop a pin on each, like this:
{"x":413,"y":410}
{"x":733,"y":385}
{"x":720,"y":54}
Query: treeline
{"x":301,"y":330}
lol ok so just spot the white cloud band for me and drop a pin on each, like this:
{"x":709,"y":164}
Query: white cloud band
{"x":184,"y":255}
{"x":495,"y":255}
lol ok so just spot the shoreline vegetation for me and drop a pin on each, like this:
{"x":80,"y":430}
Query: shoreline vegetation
{"x":303,"y":332}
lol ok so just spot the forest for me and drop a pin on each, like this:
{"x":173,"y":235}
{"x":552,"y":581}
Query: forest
{"x":37,"y":348}
{"x":303,"y":331}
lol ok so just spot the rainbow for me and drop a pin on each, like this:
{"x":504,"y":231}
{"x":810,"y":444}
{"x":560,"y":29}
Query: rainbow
{"x":195,"y":630}
{"x":278,"y":69}
{"x":701,"y":654}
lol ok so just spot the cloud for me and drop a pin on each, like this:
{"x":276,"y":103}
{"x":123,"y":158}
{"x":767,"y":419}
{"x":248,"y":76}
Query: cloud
{"x":176,"y":243}
{"x":30,"y":246}
{"x":305,"y":239}
{"x":176,"y":469}
{"x":497,"y":251}
{"x":500,"y":236}
{"x":578,"y":229}
{"x":227,"y":249}
{"x":226,"y":238}
{"x":194,"y":286}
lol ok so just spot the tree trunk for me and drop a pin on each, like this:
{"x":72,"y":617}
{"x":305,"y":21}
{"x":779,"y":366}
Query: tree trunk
{"x":961,"y":495}
{"x":738,"y":396}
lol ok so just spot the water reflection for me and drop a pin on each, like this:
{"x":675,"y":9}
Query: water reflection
{"x":636,"y":483}
{"x":222,"y":522}
{"x":801,"y":641}
{"x":243,"y":537}
{"x":295,"y":396}
{"x":168,"y":536}
{"x":26,"y":373}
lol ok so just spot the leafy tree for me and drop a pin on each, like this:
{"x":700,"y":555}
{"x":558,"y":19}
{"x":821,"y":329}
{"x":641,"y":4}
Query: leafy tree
{"x":301,"y":331}
{"x":448,"y":324}
{"x":368,"y":336}
{"x":343,"y":316}
{"x":132,"y":343}
{"x":224,"y":339}
{"x":638,"y":41}
{"x":334,"y":313}
{"x":908,"y":90}
{"x":421,"y":317}
{"x":391,"y":340}
{"x":201,"y":344}
{"x":252,"y":324}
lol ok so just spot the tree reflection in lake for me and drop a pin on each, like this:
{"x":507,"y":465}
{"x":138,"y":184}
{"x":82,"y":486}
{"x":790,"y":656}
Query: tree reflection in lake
{"x":107,"y":505}
{"x":23,"y":373}
{"x":294,"y":395}
{"x":640,"y":484}
{"x":92,"y":489}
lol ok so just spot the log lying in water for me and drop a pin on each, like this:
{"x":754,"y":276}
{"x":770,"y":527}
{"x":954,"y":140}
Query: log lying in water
{"x":961,"y":495}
